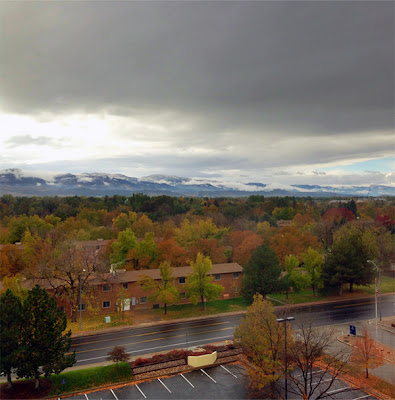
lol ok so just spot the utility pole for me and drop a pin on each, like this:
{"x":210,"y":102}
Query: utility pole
{"x":285,"y":320}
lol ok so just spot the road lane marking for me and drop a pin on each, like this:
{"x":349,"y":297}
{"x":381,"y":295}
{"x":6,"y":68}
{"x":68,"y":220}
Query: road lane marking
{"x":137,"y":386}
{"x":187,"y":381}
{"x":228,"y":371}
{"x":116,"y":398}
{"x":359,"y":304}
{"x":163,"y":385}
{"x":153,"y":340}
{"x":163,"y":346}
{"x":147,"y":333}
{"x":205,"y":373}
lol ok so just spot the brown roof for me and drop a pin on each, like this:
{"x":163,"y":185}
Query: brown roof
{"x":134,"y":276}
{"x":178,"y":272}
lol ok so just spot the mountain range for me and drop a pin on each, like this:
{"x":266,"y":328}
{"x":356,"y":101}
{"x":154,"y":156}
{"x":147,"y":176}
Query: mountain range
{"x":27,"y":183}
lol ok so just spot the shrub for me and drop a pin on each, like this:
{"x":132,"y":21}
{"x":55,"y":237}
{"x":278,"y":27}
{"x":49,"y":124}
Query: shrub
{"x":141,"y":361}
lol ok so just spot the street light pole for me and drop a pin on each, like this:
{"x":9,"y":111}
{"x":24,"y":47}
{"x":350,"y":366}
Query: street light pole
{"x":379,"y":271}
{"x":79,"y":277}
{"x":285,"y":320}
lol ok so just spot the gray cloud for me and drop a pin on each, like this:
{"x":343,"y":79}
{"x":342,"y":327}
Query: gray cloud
{"x":251,"y":67}
{"x":25,"y":140}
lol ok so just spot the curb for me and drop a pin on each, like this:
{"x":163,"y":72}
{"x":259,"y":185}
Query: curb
{"x":384,"y":328}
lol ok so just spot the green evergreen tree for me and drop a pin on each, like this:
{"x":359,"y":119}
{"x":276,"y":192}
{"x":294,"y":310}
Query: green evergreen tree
{"x":43,"y":344}
{"x":10,"y":326}
{"x":200,"y":285}
{"x":261,"y":273}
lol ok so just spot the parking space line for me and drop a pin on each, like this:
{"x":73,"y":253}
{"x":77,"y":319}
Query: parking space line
{"x":205,"y":373}
{"x":312,"y":373}
{"x":343,"y":389}
{"x":137,"y":386}
{"x":228,"y":371}
{"x":116,"y":398}
{"x":362,"y":397}
{"x":86,"y":396}
{"x":187,"y":381}
{"x":164,"y":385}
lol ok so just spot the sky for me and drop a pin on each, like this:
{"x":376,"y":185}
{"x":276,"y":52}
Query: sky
{"x":282,"y":92}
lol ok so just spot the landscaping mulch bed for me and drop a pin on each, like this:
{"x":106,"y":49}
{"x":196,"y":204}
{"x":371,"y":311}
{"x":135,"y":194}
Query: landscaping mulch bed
{"x":25,"y":390}
{"x":158,"y":366}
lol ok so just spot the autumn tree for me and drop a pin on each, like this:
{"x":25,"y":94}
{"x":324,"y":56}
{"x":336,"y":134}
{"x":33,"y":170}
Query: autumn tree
{"x":11,"y":260}
{"x":290,"y":240}
{"x":261,"y":273}
{"x":199,"y":284}
{"x":262,"y":340}
{"x":14,"y":283}
{"x":295,"y":277}
{"x":209,"y":248}
{"x":170,"y":251}
{"x":243,"y":244}
{"x":164,"y":291}
{"x":43,"y":344}
{"x":125,"y":242}
{"x":366,"y":353}
{"x":311,"y":346}
{"x":117,"y":355}
{"x":10,"y":326}
{"x":312,"y":264}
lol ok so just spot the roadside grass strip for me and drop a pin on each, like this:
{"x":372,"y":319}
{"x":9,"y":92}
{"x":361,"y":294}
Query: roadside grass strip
{"x":228,"y":371}
{"x":142,"y":393}
{"x":205,"y":373}
{"x":73,"y":381}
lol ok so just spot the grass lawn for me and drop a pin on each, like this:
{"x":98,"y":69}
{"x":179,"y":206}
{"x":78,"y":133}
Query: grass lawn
{"x":387,"y":286}
{"x":94,"y":322}
{"x":211,"y":307}
{"x":90,"y":378}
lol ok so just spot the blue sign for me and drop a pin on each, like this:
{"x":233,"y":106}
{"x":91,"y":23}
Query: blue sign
{"x":353,"y":330}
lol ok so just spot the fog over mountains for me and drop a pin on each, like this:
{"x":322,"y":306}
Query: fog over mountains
{"x":28,"y":183}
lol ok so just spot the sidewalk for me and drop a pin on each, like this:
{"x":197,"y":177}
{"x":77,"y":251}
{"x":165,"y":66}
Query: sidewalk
{"x":385,"y":335}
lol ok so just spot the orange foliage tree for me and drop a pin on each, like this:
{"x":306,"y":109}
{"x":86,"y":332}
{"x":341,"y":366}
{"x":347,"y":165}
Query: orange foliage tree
{"x":243,"y":244}
{"x":11,"y":260}
{"x":170,"y":251}
{"x":366,"y":353}
{"x":291,"y":240}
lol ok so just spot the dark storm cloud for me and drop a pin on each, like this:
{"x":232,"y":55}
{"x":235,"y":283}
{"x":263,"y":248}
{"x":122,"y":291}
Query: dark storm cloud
{"x":251,"y":67}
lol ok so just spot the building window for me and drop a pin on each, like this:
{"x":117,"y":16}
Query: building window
{"x":181,"y":280}
{"x":236,"y":275}
{"x":106,"y":288}
{"x":125,"y":285}
{"x":97,"y":247}
{"x":143,"y":300}
{"x":217,"y":277}
{"x":106,"y":304}
{"x":82,"y":308}
{"x":183,"y":295}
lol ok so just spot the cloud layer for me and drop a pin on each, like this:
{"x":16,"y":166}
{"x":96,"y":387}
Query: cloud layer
{"x":231,"y":89}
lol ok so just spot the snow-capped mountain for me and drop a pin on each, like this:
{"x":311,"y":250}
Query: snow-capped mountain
{"x":30,"y":183}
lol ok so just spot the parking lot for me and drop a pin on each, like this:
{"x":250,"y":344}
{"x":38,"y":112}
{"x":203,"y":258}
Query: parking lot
{"x":219,"y":382}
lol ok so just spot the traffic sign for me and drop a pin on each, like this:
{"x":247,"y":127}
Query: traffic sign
{"x":353,"y":330}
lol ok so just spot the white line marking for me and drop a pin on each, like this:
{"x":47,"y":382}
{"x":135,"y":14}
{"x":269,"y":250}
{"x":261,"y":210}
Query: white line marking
{"x":164,"y":385}
{"x":228,"y":371}
{"x":137,"y":386}
{"x":116,"y":398}
{"x":362,"y":397}
{"x":175,"y":345}
{"x":187,"y":381}
{"x":343,"y":389}
{"x":312,"y":373}
{"x":86,"y":397}
{"x":205,"y":373}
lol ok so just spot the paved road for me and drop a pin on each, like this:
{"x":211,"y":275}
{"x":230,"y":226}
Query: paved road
{"x":145,"y":340}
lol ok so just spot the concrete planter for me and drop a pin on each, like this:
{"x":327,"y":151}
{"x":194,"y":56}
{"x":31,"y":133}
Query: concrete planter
{"x":201,"y":361}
